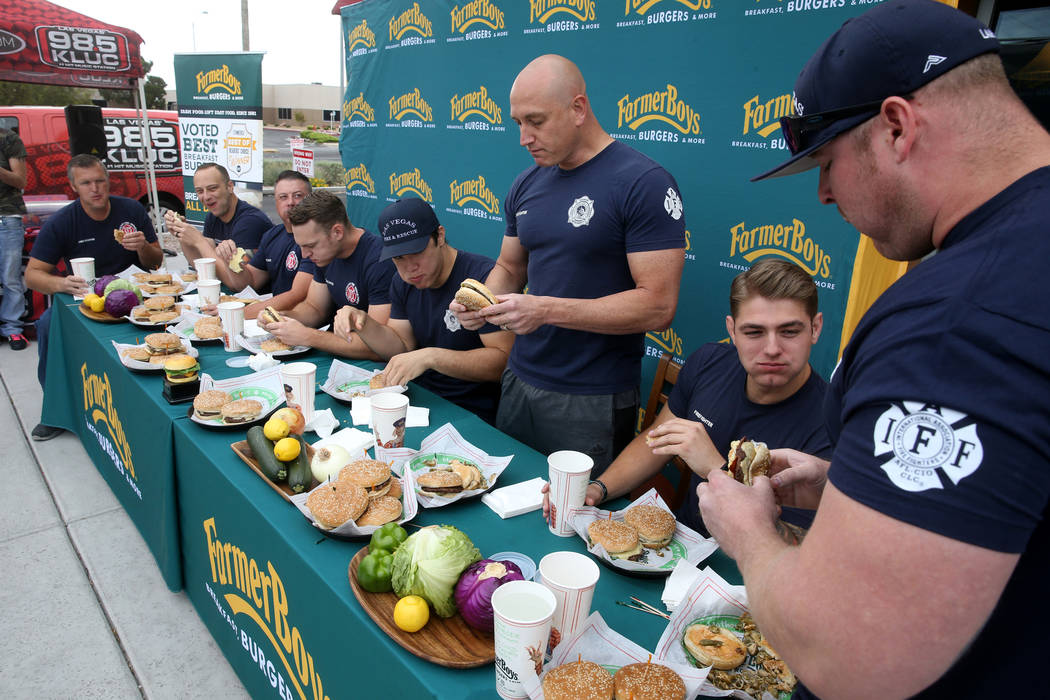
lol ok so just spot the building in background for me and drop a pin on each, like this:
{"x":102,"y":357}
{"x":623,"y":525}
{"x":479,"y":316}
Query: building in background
{"x":295,"y":105}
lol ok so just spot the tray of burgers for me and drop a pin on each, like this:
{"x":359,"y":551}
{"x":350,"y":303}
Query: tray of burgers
{"x":643,"y":539}
{"x":157,"y":311}
{"x":238,"y":402}
{"x":151,"y":355}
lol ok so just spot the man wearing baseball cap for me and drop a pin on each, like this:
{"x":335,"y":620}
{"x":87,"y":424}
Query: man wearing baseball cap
{"x":423,"y":340}
{"x":924,"y":570}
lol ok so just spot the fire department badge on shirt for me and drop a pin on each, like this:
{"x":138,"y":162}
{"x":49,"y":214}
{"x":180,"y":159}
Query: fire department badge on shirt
{"x":581,"y":211}
{"x":921,"y":439}
{"x":452,"y":321}
{"x":673,"y":204}
{"x":352,"y":297}
{"x":292,"y":261}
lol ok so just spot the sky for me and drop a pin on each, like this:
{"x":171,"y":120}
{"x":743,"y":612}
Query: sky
{"x":301,"y":45}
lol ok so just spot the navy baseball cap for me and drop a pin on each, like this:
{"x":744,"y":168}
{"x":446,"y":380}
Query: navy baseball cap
{"x":406,"y":226}
{"x":893,"y":49}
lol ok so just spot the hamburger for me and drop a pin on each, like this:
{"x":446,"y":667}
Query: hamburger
{"x":163,"y":316}
{"x":377,"y":381}
{"x":747,"y":460}
{"x":140,"y":313}
{"x":188,"y":276}
{"x":469,"y":473}
{"x":237,"y":261}
{"x":369,"y":474}
{"x":273,"y":345}
{"x":474,"y":295}
{"x":158,"y":278}
{"x":207,"y":405}
{"x":241,"y":411}
{"x":180,"y":370}
{"x":139,"y":354}
{"x":619,"y":539}
{"x":395,"y":487}
{"x":334,"y":502}
{"x":711,"y":645}
{"x":579,"y":680}
{"x":439,"y":482}
{"x":380,"y":511}
{"x":648,"y":682}
{"x":270,"y":315}
{"x":168,"y":289}
{"x":161,"y":359}
{"x":118,"y":235}
{"x":163,"y":344}
{"x":208,"y":328}
{"x":655,"y":526}
{"x":161,"y":303}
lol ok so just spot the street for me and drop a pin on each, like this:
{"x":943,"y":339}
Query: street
{"x":275,"y":146}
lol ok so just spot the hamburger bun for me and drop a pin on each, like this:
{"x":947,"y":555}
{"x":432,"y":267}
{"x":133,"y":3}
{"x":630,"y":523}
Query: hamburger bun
{"x":163,"y":343}
{"x":439,"y":482}
{"x":655,"y":526}
{"x":161,"y":359}
{"x":747,"y":460}
{"x":474,"y":295}
{"x":469,"y":473}
{"x":273,"y":345}
{"x":188,"y":276}
{"x":380,"y":511}
{"x":163,"y":316}
{"x":371,"y":475}
{"x":714,"y":646}
{"x":377,"y":381}
{"x":208,"y":328}
{"x":619,"y":539}
{"x":161,"y":303}
{"x":334,"y":502}
{"x":207,"y":405}
{"x":181,"y":369}
{"x":395,"y":487}
{"x":579,"y":680}
{"x":648,"y":682}
{"x":140,"y":354}
{"x":241,"y":411}
{"x":158,"y":278}
{"x":269,"y":315}
{"x":140,"y":313}
{"x":173,"y":288}
{"x":118,"y":235}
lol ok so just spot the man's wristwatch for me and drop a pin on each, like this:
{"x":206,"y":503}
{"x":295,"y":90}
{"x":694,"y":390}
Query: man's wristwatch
{"x":603,"y":487}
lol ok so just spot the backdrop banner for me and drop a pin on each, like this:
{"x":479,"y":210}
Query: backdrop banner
{"x":220,"y":118}
{"x":698,"y":85}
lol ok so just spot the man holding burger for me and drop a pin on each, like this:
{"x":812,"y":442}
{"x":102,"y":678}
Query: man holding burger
{"x":933,"y":509}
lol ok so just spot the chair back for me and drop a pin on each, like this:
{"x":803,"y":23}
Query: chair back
{"x":663,"y":381}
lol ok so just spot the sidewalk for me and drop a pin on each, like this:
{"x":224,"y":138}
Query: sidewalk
{"x":85,"y":612}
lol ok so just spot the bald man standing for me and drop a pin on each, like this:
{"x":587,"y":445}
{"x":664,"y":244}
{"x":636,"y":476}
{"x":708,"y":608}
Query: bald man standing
{"x":596,"y":231}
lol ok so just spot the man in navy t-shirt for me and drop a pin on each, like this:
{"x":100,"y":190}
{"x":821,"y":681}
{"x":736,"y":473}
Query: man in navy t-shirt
{"x":278,"y":264}
{"x":115,"y":231}
{"x":423,"y":340}
{"x":762,"y":387}
{"x":596,"y":230}
{"x":924,"y":572}
{"x":229,"y":218}
{"x":348,"y":273}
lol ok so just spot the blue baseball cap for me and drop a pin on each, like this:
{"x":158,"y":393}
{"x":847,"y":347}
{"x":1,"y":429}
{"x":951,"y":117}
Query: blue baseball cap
{"x":893,"y":49}
{"x":406,"y":226}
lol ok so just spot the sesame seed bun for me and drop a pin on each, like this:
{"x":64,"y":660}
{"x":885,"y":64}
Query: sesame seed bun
{"x":439,"y":482}
{"x":273,"y":345}
{"x":208,"y":328}
{"x":655,"y":525}
{"x":137,"y":353}
{"x":163,"y":343}
{"x":648,"y":682}
{"x":208,"y":404}
{"x":372,"y":475}
{"x":334,"y":502}
{"x":159,"y":303}
{"x":380,"y":511}
{"x":241,"y":411}
{"x":474,"y":295}
{"x":579,"y":680}
{"x":181,"y":369}
{"x":618,"y":539}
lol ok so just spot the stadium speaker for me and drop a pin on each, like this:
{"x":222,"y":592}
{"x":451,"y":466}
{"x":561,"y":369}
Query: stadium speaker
{"x":86,"y":133}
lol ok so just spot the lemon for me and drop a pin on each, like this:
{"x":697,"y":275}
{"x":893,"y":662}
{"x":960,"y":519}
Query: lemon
{"x":286,"y":449}
{"x":95,"y":302}
{"x":275,"y":429}
{"x":411,"y":613}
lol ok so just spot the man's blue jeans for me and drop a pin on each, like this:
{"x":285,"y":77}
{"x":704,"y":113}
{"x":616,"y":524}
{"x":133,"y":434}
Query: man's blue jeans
{"x":13,"y":305}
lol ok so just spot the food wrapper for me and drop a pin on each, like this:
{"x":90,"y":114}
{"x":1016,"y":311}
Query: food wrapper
{"x":709,"y":594}
{"x":345,"y":381}
{"x":440,"y":446}
{"x":596,"y":641}
{"x":686,"y":544}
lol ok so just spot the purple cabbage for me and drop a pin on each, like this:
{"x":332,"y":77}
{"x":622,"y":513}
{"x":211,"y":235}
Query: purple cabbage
{"x":101,"y":282}
{"x":475,"y":587}
{"x":120,"y":302}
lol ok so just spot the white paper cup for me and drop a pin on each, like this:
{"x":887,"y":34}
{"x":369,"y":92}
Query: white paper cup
{"x":205,"y":268}
{"x":231,"y":313}
{"x":389,"y":415}
{"x":208,"y":292}
{"x":569,"y":474}
{"x":522,"y":613}
{"x":298,"y":378}
{"x":571,"y":577}
{"x":85,"y":268}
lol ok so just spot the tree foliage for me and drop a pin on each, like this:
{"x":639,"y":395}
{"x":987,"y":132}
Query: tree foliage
{"x":154,"y":88}
{"x":46,"y":95}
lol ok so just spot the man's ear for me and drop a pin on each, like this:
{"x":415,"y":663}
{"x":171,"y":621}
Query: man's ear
{"x":900,"y":120}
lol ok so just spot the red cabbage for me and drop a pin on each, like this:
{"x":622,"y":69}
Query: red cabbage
{"x":120,"y":302}
{"x":102,"y":282}
{"x":476,"y":585}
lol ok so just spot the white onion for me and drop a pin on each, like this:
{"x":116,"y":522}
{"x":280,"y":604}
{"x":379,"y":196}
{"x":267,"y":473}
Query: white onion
{"x":328,"y":461}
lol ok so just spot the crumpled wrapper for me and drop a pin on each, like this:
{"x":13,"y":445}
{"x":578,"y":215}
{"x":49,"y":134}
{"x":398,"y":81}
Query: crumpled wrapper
{"x":596,"y":641}
{"x":341,"y":374}
{"x":686,"y":544}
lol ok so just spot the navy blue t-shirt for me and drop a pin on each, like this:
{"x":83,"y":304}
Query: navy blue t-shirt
{"x":940,"y":416}
{"x":245,"y":228}
{"x":712,"y":389}
{"x":361,"y":280}
{"x":578,"y":226}
{"x":434,"y":326}
{"x":71,"y":233}
{"x":279,"y":255}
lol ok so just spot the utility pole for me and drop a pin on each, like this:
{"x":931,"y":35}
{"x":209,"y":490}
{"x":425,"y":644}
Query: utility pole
{"x":244,"y":25}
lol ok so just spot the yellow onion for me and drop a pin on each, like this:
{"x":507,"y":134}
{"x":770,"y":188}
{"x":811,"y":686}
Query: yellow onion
{"x":328,"y":461}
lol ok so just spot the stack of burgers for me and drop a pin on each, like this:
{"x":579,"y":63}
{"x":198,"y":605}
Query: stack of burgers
{"x":642,"y":527}
{"x":212,"y":404}
{"x":366,"y":492}
{"x":586,"y":680}
{"x":158,"y":349}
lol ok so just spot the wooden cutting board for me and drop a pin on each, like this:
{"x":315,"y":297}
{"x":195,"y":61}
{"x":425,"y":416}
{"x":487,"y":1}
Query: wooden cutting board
{"x":245,"y":453}
{"x":444,"y":641}
{"x":100,"y":316}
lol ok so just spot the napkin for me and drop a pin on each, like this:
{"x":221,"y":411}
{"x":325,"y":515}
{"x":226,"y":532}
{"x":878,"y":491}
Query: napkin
{"x":516,"y":499}
{"x":263,"y":360}
{"x":678,"y":583}
{"x":354,"y":441}
{"x":361,"y":413}
{"x":321,"y":422}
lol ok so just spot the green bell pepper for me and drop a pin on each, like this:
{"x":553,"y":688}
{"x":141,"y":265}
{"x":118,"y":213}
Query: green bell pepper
{"x":387,"y":538}
{"x":373,"y":573}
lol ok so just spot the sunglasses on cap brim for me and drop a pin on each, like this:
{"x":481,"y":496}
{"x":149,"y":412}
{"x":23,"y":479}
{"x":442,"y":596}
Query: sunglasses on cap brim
{"x":798,"y":129}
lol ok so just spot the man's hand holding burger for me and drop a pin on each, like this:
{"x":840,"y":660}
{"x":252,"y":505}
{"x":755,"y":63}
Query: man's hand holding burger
{"x":519,"y":313}
{"x":133,"y":241}
{"x":290,"y":331}
{"x":742,"y":518}
{"x":225,"y":250}
{"x":183,"y":230}
{"x":798,"y":479}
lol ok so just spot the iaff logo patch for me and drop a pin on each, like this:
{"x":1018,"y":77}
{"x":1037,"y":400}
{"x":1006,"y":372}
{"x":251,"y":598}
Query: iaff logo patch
{"x":352,"y":297}
{"x":292,"y":261}
{"x":922,"y":441}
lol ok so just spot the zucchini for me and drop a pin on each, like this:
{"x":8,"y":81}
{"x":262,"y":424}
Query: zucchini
{"x":262,"y":448}
{"x":299,"y":475}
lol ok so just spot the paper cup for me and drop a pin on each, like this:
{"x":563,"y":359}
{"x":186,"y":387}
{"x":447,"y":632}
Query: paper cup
{"x":389,"y":414}
{"x":569,"y":474}
{"x":205,"y":268}
{"x":231,"y":313}
{"x":298,"y":378}
{"x":85,"y":268}
{"x":571,"y":577}
{"x":522,"y":613}
{"x":208,"y":292}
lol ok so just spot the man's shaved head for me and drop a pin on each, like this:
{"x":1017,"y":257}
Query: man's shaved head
{"x":556,"y":77}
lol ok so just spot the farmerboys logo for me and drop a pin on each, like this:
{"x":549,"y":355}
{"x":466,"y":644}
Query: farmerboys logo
{"x":476,"y":111}
{"x":660,"y":109}
{"x":664,"y":341}
{"x":787,"y":240}
{"x":218,"y":79}
{"x":477,"y":19}
{"x":780,"y":7}
{"x":410,"y":182}
{"x":256,"y":602}
{"x":99,"y":412}
{"x":640,"y":12}
{"x":357,"y":112}
{"x":921,"y":440}
{"x":473,"y":198}
{"x":361,"y":40}
{"x":411,"y":110}
{"x":561,"y":16}
{"x":359,"y":183}
{"x":762,"y":122}
{"x":411,"y":21}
